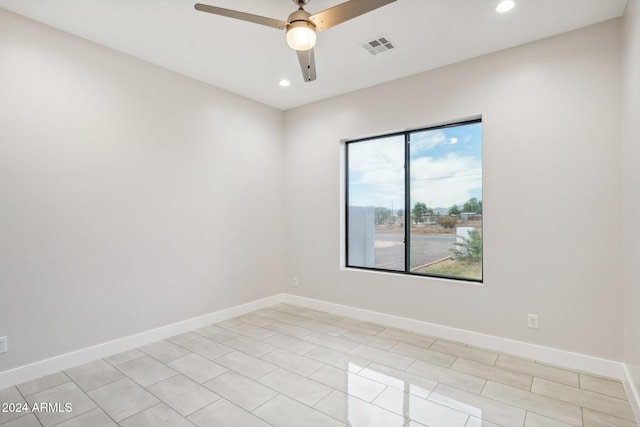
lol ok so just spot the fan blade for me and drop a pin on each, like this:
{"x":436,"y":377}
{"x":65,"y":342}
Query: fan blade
{"x":345,"y":11}
{"x":307,"y":64}
{"x":256,"y":19}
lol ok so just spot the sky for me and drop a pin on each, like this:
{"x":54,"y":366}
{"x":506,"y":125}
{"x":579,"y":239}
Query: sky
{"x":446,"y":168}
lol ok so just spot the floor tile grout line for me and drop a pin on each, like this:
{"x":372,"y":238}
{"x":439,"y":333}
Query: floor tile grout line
{"x":71,"y":380}
{"x":556,"y":419}
{"x":495,"y":362}
{"x":371,"y":403}
{"x":581,"y":407}
{"x":277,"y":391}
{"x":86,"y":393}
{"x":579,"y":380}
{"x":377,"y":395}
{"x":480,"y":395}
{"x":308,"y":377}
{"x":320,"y":400}
{"x":475,"y":376}
{"x":307,"y":321}
{"x":149,"y":385}
{"x":161,"y":402}
{"x":604,"y":394}
{"x":252,"y":412}
{"x":246,"y":377}
{"x":518,"y":371}
{"x":483,"y":386}
{"x":495,"y":380}
{"x":122,"y":363}
{"x":576,"y":371}
{"x":191,"y":422}
{"x":597,"y":376}
{"x":267,"y":353}
{"x":24,"y":396}
{"x":296,"y":354}
{"x":579,"y":389}
{"x":430,"y":401}
{"x":101,"y":385}
{"x":609,"y":415}
{"x":175,"y":409}
{"x":537,"y":413}
{"x":249,"y":412}
{"x":155,"y":358}
{"x":25,"y":399}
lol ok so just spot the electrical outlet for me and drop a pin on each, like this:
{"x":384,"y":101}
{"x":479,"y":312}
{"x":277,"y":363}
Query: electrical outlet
{"x":294,"y":282}
{"x":532,"y":321}
{"x":3,"y":345}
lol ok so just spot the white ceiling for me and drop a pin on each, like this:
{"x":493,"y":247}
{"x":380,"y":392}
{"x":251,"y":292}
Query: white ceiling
{"x":250,"y":59}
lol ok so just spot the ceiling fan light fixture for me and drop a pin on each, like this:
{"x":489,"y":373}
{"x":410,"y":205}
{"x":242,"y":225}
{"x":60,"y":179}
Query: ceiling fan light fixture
{"x":301,"y":35}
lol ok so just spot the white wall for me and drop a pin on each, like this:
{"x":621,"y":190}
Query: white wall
{"x":100,"y":151}
{"x":551,"y":112}
{"x":130,"y":197}
{"x":631,"y":189}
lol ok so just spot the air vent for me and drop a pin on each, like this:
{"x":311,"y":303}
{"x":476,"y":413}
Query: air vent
{"x":378,"y":45}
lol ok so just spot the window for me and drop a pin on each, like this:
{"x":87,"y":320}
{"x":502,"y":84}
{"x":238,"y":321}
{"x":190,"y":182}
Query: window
{"x":414,"y":202}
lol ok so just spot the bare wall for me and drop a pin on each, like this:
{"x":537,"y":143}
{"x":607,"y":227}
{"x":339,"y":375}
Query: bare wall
{"x":130,"y":197}
{"x":631,"y":188}
{"x":551,"y":112}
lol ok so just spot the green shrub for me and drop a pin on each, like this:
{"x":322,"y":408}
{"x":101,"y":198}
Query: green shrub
{"x":470,"y":248}
{"x":448,"y":221}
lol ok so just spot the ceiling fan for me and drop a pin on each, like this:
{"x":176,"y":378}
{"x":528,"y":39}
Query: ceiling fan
{"x":301,"y":26}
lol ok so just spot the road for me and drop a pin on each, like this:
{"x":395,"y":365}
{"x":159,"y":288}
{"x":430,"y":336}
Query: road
{"x":425,"y":248}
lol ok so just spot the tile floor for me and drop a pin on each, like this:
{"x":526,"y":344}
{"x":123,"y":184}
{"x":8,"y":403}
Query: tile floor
{"x":288,"y":366}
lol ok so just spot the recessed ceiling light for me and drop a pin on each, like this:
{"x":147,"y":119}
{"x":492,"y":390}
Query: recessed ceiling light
{"x":505,"y":6}
{"x":284,"y":83}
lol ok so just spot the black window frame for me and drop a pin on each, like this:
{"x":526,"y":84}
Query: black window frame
{"x":407,"y":201}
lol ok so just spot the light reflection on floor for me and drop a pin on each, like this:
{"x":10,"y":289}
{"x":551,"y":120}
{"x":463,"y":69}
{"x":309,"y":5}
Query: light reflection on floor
{"x":401,"y":403}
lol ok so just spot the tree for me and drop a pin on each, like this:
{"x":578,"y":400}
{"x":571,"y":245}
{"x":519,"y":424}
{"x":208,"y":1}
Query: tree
{"x":454,"y":210}
{"x":419,"y":212}
{"x":400,"y":214}
{"x":473,"y":205}
{"x":382,"y":215}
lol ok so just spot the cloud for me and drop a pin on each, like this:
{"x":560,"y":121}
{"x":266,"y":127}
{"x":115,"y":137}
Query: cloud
{"x":436,"y":182}
{"x":376,"y":155}
{"x":424,"y":141}
{"x":446,"y":181}
{"x":376,"y":173}
{"x":444,"y":172}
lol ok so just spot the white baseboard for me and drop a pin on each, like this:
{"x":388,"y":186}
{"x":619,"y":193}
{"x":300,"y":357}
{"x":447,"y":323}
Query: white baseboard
{"x":543,"y":354}
{"x":65,"y":361}
{"x":531,"y":351}
{"x":631,"y":387}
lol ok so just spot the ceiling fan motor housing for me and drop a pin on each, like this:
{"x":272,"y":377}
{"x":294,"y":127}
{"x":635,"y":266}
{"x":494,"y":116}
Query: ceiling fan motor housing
{"x":300,"y":15}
